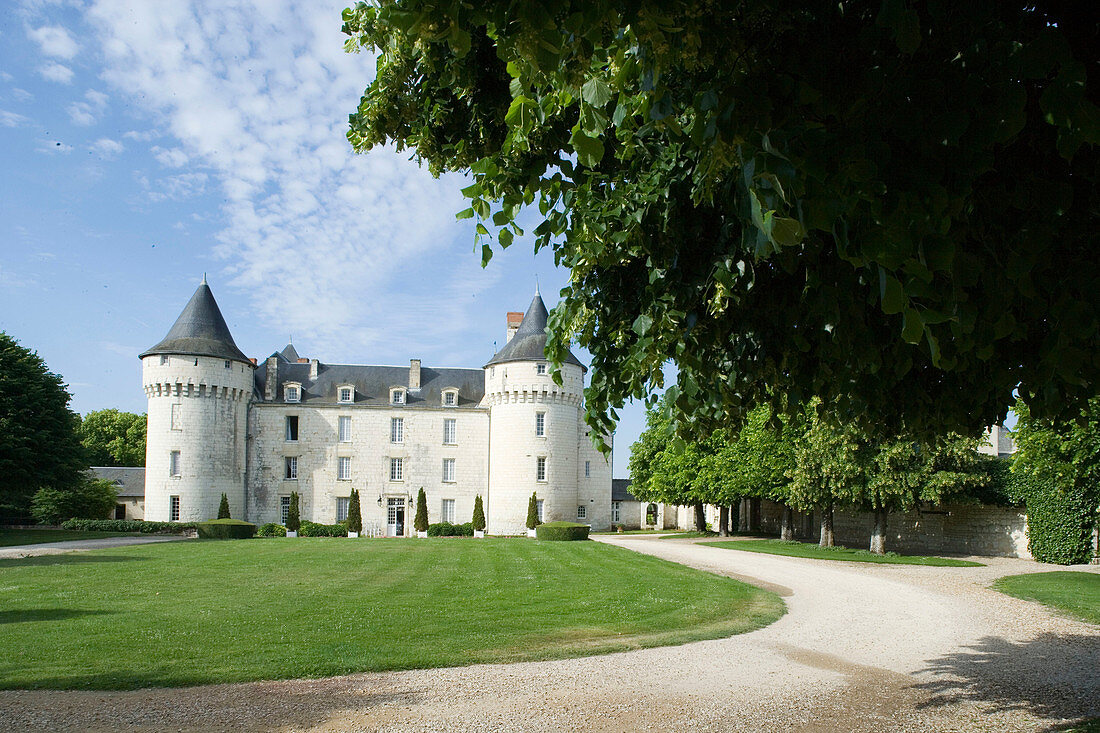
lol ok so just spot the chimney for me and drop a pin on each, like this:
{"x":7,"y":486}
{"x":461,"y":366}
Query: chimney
{"x":314,"y":369}
{"x":514,"y":319}
{"x":414,"y":374}
{"x":271,"y":378}
{"x":303,"y":360}
{"x":253,"y":360}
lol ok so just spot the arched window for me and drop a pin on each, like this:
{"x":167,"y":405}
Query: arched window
{"x":651,"y":514}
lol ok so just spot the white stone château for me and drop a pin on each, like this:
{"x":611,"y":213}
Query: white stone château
{"x":219,"y":422}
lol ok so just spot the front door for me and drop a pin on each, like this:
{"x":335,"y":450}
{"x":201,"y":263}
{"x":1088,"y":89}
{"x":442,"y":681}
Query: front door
{"x":395,"y":517}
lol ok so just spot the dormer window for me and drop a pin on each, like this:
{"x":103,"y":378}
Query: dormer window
{"x":397,"y":396}
{"x":540,"y":369}
{"x":292,"y":393}
{"x":346,"y":394}
{"x":450,"y":398}
{"x":163,"y":360}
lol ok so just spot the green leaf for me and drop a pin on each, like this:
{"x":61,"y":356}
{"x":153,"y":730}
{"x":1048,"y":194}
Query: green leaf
{"x":596,"y":92}
{"x":787,"y":232}
{"x":912,"y":326}
{"x":893,"y":297}
{"x":522,"y":113}
{"x":589,"y":149}
{"x":505,"y":237}
{"x":486,"y":254}
{"x":465,"y":214}
{"x":642,"y":324}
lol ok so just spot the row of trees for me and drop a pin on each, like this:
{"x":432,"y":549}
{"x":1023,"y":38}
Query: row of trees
{"x":805,"y":461}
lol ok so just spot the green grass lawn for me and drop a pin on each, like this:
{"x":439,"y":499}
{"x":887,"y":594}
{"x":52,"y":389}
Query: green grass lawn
{"x":185,"y":613}
{"x":812,"y":551}
{"x":12,"y":537}
{"x":1074,"y":593}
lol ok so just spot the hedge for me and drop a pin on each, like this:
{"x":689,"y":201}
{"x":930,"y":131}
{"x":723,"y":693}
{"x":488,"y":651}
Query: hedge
{"x":562,"y":531}
{"x":312,"y":529}
{"x":271,"y":530}
{"x":127,"y":525}
{"x":446,"y":529}
{"x":1060,"y":520}
{"x":226,"y":529}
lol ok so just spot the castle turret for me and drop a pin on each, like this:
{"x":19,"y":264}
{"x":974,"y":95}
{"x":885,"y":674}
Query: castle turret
{"x":534,"y":427}
{"x":199,"y":385}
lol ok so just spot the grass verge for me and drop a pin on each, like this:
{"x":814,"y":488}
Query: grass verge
{"x":814,"y":552}
{"x":1071,"y":592}
{"x":13,"y":537}
{"x":199,"y":612}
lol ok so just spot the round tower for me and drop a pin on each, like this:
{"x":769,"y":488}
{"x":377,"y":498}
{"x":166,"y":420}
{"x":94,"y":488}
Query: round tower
{"x":199,"y":385}
{"x":533,"y":429}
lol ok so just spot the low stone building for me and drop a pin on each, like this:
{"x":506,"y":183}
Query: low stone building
{"x":129,"y":483}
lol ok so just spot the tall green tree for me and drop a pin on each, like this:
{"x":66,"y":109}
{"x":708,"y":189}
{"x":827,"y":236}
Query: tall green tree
{"x":39,"y":447}
{"x":764,"y":459}
{"x":92,"y":498}
{"x":478,"y":520}
{"x":113,"y":438}
{"x":420,"y":522}
{"x":889,"y":205}
{"x":533,"y":511}
{"x":223,"y":508}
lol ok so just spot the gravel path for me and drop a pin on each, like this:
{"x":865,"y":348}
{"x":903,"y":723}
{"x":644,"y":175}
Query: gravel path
{"x":54,"y":548}
{"x":863,"y":648}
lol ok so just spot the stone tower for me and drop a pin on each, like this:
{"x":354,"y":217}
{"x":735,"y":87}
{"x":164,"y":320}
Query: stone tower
{"x":199,"y":385}
{"x":534,"y":429}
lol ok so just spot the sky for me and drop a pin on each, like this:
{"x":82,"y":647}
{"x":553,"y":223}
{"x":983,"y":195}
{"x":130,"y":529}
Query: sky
{"x":146,"y":143}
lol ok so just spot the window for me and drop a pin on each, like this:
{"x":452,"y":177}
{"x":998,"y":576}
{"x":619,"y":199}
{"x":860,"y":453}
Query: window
{"x":343,"y":468}
{"x":651,"y":514}
{"x":447,"y":511}
{"x":540,"y":424}
{"x":616,"y":511}
{"x":449,"y":470}
{"x":396,"y":469}
{"x":492,"y":371}
{"x":227,"y":363}
{"x":449,"y":431}
{"x":164,"y":360}
{"x":291,"y":394}
{"x":292,"y":428}
{"x":540,"y":468}
{"x":582,"y":511}
{"x":588,"y":469}
{"x":397,"y":430}
{"x":540,"y":369}
{"x":342,"y":508}
{"x":177,"y":422}
{"x":397,"y":397}
{"x":538,"y":508}
{"x":291,"y":469}
{"x":174,"y":463}
{"x":450,"y":398}
{"x":284,"y":509}
{"x":173,"y":508}
{"x":346,"y":394}
{"x":345,"y":429}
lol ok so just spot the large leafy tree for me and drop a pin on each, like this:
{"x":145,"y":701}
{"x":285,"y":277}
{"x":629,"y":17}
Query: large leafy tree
{"x":886,"y":204}
{"x":113,"y":438}
{"x":39,"y":447}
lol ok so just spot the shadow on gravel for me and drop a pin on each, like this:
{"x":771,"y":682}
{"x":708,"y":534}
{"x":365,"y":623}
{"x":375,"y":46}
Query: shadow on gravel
{"x":1051,"y":676}
{"x":66,"y":559}
{"x":21,"y":615}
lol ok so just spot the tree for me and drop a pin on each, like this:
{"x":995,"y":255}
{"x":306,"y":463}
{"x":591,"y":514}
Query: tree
{"x":478,"y":520}
{"x":533,"y":511}
{"x":293,"y":518}
{"x":90,"y":499}
{"x":763,"y":456}
{"x":113,"y":438}
{"x":665,"y":469}
{"x":884,"y":204}
{"x":223,"y":508}
{"x":39,"y":447}
{"x":421,"y":521}
{"x":355,"y":513}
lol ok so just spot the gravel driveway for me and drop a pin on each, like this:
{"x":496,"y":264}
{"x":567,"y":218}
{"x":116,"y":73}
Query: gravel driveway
{"x":863,"y":648}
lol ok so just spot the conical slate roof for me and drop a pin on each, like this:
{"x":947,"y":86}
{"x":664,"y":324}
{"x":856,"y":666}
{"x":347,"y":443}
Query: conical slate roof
{"x":199,"y":331}
{"x":529,"y":341}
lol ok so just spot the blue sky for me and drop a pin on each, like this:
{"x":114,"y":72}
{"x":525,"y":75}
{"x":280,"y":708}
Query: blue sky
{"x":145,"y":143}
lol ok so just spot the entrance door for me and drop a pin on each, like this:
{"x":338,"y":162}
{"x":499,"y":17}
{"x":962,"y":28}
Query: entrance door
{"x":395,"y":517}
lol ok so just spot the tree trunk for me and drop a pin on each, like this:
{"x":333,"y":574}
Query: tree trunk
{"x":827,"y":539}
{"x":754,"y":514}
{"x":878,"y":535}
{"x":735,"y":520}
{"x":700,"y":518}
{"x":786,"y":529}
{"x":723,"y":521}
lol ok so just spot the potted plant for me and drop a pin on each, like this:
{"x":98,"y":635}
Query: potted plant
{"x":420,"y":524}
{"x":293,"y":519}
{"x":355,"y":515}
{"x":479,"y":517}
{"x":533,"y":515}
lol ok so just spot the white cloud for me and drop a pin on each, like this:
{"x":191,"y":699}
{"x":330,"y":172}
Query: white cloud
{"x":56,"y":72}
{"x":21,"y":95}
{"x":90,"y":110}
{"x":170,"y":157}
{"x":174,"y":188}
{"x":54,"y":41}
{"x":141,"y":135}
{"x":105,"y":147}
{"x":11,"y":119}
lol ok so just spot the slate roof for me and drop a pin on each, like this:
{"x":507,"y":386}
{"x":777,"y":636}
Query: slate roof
{"x":529,"y":343}
{"x":372,"y":383}
{"x":620,"y":490}
{"x":128,"y":481}
{"x":200,"y":330}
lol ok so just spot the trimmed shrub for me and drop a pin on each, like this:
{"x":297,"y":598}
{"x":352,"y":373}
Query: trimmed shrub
{"x":420,"y":524}
{"x":223,"y":508}
{"x":446,"y":529}
{"x":312,"y":529}
{"x":226,"y":529}
{"x":127,"y":525}
{"x":90,"y":498}
{"x":562,"y":531}
{"x":478,"y":521}
{"x":1060,"y":520}
{"x":533,"y":511}
{"x":271,"y":530}
{"x":355,"y":514}
{"x":293,"y":518}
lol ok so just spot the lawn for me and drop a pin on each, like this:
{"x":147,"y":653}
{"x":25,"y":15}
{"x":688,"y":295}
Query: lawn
{"x":12,"y":537}
{"x":812,"y":551}
{"x":185,"y":613}
{"x":1073,"y":593}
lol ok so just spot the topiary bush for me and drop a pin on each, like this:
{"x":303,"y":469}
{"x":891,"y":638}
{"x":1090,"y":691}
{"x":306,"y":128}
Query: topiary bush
{"x":562,"y":531}
{"x":223,"y":508}
{"x":420,"y":524}
{"x":271,"y":530}
{"x":478,"y":520}
{"x":293,"y":518}
{"x":355,"y":514}
{"x":533,"y":511}
{"x":226,"y":529}
{"x":446,"y":529}
{"x":312,"y":529}
{"x":127,"y":525}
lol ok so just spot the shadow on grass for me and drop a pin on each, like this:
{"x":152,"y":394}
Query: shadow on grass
{"x":1052,"y":676}
{"x":66,"y":559}
{"x":22,"y":615}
